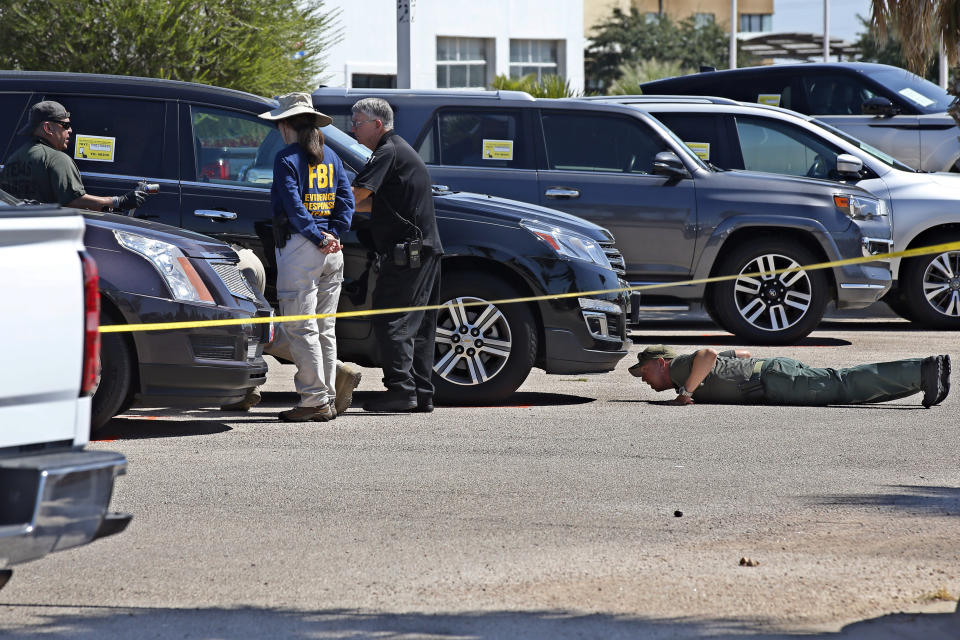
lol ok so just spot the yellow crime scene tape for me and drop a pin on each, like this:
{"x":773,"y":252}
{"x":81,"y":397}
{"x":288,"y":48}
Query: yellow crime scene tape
{"x":194,"y":324}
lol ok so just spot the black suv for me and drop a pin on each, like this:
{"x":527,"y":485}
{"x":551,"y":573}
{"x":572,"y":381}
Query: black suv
{"x":213,"y":158}
{"x":675,"y":218}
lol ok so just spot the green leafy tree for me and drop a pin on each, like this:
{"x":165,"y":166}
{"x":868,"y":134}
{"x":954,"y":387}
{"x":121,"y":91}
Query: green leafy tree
{"x":231,"y":43}
{"x":628,"y":38}
{"x":551,"y":86}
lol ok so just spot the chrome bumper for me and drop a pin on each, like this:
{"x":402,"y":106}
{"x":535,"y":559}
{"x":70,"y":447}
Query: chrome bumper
{"x":55,"y":501}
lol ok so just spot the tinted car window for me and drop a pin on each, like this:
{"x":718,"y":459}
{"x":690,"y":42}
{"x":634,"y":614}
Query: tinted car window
{"x":109,"y":135}
{"x":835,"y":94}
{"x":777,"y":147}
{"x":476,"y":139}
{"x":13,"y":110}
{"x":227,"y":148}
{"x":920,"y":93}
{"x":594,"y":142}
{"x":706,"y":135}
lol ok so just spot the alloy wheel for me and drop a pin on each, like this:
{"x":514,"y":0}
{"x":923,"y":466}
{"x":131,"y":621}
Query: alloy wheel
{"x":772,"y":301}
{"x":473,"y":341}
{"x":941,"y":283}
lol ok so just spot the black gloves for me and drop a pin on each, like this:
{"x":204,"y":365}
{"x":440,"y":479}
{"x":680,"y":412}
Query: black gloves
{"x":130,"y":200}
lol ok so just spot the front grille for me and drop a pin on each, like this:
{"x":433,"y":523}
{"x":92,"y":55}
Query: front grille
{"x":615,"y":258}
{"x":214,"y":347}
{"x":234,"y":280}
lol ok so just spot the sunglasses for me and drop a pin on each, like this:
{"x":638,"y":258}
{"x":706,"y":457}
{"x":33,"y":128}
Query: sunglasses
{"x":65,"y":125}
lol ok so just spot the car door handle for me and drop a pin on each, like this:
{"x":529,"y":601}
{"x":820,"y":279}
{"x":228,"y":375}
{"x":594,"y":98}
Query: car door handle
{"x":216,"y":215}
{"x":561,"y":193}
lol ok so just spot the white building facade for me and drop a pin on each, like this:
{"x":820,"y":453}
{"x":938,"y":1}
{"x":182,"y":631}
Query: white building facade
{"x":457,"y":43}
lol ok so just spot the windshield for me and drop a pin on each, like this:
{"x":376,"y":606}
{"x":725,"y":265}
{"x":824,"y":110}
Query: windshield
{"x":7,"y":200}
{"x":863,"y":146}
{"x":922,"y":94}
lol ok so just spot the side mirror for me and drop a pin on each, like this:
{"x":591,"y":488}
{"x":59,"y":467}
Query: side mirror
{"x":666,"y":163}
{"x":849,"y":166}
{"x":879,"y":106}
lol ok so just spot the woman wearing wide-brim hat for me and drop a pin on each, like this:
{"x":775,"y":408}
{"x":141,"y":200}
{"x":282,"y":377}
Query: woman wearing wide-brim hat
{"x":312,"y":207}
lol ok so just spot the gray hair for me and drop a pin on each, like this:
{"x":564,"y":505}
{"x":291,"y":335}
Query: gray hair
{"x":375,"y":109}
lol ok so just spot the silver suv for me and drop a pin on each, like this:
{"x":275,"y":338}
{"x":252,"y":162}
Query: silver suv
{"x":888,"y":107}
{"x":675,"y":218}
{"x":925,"y":207}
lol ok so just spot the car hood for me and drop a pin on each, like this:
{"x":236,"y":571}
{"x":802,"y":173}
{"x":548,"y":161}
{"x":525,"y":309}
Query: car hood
{"x":779,"y":181}
{"x":505,"y":210}
{"x":950,"y":182}
{"x":192,"y":244}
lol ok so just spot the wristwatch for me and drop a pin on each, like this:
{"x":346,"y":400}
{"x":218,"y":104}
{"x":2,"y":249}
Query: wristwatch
{"x":683,"y":391}
{"x":324,"y":242}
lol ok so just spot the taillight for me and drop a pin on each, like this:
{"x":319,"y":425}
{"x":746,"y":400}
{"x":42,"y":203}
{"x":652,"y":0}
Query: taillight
{"x":91,"y":325}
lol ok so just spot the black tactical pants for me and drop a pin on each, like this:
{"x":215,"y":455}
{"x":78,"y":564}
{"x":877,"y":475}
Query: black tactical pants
{"x":406,"y":340}
{"x":789,"y":381}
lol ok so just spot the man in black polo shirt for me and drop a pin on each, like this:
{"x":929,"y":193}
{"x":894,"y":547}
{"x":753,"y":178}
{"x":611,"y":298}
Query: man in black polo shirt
{"x":395,"y":188}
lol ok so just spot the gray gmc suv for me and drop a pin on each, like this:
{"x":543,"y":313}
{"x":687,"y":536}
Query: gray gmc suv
{"x":675,"y":217}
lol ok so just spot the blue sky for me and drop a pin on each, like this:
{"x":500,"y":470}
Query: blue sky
{"x":806,"y":16}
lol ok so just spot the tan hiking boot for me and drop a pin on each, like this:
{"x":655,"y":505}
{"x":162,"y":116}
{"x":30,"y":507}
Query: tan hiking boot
{"x":323,"y":413}
{"x":252,"y":399}
{"x":348,"y":378}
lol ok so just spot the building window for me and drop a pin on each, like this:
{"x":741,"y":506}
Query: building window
{"x":373,"y":81}
{"x":751,"y":22}
{"x":462,"y":63}
{"x":703,"y":19}
{"x":651,"y":16}
{"x":535,"y":57}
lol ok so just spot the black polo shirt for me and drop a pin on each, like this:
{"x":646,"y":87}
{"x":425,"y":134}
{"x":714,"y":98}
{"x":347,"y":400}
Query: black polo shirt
{"x":402,"y":195}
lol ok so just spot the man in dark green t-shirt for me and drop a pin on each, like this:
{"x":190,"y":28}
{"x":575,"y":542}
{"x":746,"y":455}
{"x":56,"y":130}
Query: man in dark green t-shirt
{"x":733,"y":377}
{"x":40,"y":170}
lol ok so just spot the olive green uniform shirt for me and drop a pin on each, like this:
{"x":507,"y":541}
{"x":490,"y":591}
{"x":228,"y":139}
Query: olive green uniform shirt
{"x":721,"y":386}
{"x":37,"y":171}
{"x":787,"y":381}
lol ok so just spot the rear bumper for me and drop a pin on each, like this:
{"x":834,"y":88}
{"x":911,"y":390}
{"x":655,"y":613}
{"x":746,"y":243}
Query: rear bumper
{"x":56,"y":501}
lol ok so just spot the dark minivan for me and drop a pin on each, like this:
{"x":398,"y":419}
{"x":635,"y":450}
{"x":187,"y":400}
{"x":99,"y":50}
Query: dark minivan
{"x":212,"y":158}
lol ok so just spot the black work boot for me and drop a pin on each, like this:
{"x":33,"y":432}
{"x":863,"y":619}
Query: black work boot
{"x":944,"y":378}
{"x":931,"y":375}
{"x":389,"y":403}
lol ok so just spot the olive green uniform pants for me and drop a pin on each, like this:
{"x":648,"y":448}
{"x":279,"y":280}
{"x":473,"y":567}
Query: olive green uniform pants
{"x":788,"y":381}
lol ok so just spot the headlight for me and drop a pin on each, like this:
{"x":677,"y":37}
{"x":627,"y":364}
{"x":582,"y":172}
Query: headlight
{"x":859,"y":207}
{"x":567,"y":243}
{"x":182,"y":279}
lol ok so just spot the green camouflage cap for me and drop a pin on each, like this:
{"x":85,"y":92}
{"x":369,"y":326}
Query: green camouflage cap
{"x":652,"y":353}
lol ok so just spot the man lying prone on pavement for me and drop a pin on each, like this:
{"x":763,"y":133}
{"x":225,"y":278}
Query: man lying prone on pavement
{"x":733,"y":377}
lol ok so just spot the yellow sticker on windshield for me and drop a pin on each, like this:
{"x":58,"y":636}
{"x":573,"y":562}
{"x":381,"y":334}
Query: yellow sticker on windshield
{"x":702,"y":149}
{"x":96,"y":148}
{"x":497,"y":149}
{"x":771,"y":99}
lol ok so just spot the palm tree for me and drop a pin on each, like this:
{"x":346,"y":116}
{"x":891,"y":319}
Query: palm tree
{"x":921,"y":25}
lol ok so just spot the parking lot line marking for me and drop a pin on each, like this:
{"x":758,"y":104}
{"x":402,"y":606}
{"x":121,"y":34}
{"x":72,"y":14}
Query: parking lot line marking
{"x":195,"y":324}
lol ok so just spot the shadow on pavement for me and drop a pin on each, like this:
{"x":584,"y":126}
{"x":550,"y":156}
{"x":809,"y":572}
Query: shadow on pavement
{"x":930,"y":500}
{"x":644,"y":335}
{"x":141,"y":428}
{"x":518,"y":399}
{"x":249,"y":623}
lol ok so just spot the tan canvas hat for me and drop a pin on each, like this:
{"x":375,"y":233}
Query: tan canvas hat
{"x":293,"y":104}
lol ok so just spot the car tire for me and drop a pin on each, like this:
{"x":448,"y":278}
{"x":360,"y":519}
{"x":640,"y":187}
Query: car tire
{"x":898,"y":305}
{"x":508,"y":335}
{"x":930,"y":287}
{"x":774,"y":309}
{"x":114,"y":393}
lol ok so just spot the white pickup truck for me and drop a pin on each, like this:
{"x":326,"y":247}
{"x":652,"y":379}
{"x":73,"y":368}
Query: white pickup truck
{"x":54,"y":494}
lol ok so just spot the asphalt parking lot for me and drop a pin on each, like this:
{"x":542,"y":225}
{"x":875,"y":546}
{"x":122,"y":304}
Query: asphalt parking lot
{"x":552,"y":515}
